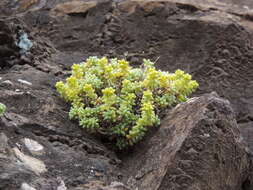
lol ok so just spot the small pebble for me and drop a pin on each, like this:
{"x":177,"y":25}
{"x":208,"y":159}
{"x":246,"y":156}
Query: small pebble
{"x":25,"y":186}
{"x":25,"y":82}
{"x":17,"y":90}
{"x":33,"y":145}
{"x":6,"y":83}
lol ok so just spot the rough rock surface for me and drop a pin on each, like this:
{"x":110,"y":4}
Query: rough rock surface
{"x":197,"y":147}
{"x":11,"y":30}
{"x":41,"y":149}
{"x":210,"y":39}
{"x":8,"y":48}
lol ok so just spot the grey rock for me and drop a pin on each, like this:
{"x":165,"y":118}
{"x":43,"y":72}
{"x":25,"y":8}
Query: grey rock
{"x":6,"y":84}
{"x":25,"y":82}
{"x":62,"y":185}
{"x":181,"y":156}
{"x":209,"y":39}
{"x":25,"y":186}
{"x":37,"y":166}
{"x":33,"y":146}
{"x":3,"y":142}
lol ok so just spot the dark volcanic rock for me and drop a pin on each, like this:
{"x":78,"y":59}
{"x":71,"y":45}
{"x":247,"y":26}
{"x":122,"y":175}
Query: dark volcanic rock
{"x":212,"y":40}
{"x":11,"y":32}
{"x":44,"y":158}
{"x":8,"y":48}
{"x":39,"y":145}
{"x":198,"y":147}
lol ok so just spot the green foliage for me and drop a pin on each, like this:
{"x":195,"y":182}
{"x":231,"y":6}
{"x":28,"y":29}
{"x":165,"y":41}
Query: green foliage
{"x":110,"y":97}
{"x":2,"y":109}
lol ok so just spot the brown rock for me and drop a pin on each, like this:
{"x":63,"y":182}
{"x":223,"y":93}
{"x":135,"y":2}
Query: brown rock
{"x":25,"y":4}
{"x":72,"y":7}
{"x":198,"y":147}
{"x":148,"y":6}
{"x":210,"y":39}
{"x":8,"y":48}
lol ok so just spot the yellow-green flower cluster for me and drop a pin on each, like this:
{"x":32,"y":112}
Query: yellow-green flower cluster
{"x":112,"y":98}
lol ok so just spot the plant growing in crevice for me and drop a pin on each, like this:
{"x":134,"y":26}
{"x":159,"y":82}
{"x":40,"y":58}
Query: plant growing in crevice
{"x":112,"y":98}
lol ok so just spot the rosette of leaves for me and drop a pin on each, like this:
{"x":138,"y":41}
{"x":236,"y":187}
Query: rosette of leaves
{"x":112,"y":98}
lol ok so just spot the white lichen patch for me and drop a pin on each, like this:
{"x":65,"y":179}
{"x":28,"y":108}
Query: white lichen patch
{"x":24,"y":43}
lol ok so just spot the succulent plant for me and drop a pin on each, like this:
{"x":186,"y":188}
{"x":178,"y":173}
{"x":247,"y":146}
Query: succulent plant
{"x":121,"y":102}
